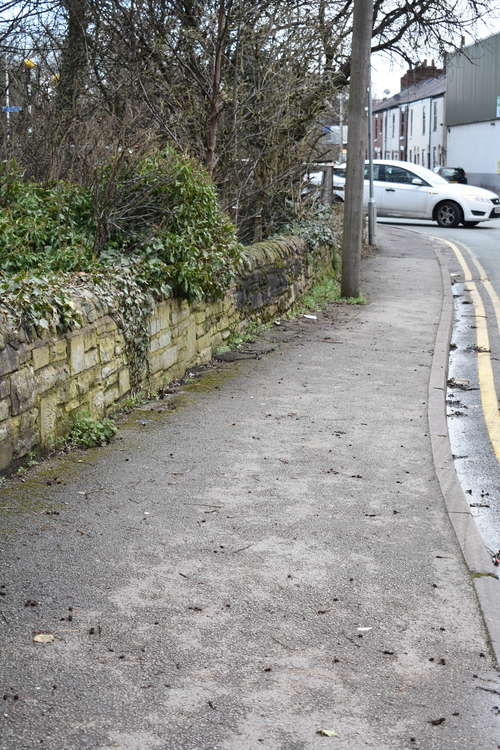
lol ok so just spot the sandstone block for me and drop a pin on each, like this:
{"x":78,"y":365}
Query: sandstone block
{"x":72,"y":406}
{"x":107,"y":348}
{"x":96,"y":401}
{"x":41,"y":356}
{"x":111,"y":395}
{"x":155,"y":324}
{"x":6,"y":454}
{"x":27,"y":435}
{"x":48,"y":419}
{"x":49,"y":376}
{"x":4,"y":409}
{"x":179,"y":312}
{"x":69,"y":390}
{"x":91,"y":358}
{"x":90,"y":338}
{"x":203,"y":342}
{"x":161,"y":340}
{"x":204,"y":355}
{"x":163,"y":360}
{"x":22,"y":385}
{"x":105,"y":325}
{"x":58,"y":350}
{"x":87,"y":379}
{"x":77,"y":352}
{"x":110,"y":369}
{"x":9,"y":360}
{"x":124,"y":381}
{"x":4,"y":387}
{"x":164,"y":311}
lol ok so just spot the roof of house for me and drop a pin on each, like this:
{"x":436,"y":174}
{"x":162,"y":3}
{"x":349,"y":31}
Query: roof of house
{"x":423,"y":90}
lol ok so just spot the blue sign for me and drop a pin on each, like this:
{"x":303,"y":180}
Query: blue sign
{"x":12,"y":109}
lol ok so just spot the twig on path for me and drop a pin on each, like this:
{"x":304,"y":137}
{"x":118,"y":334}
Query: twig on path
{"x":205,"y":505}
{"x":351,"y":640}
{"x":289,"y":648}
{"x":241,"y":549}
{"x":488,"y":690}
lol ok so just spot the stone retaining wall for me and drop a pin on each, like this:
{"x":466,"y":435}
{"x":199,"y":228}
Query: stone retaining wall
{"x":43,"y":383}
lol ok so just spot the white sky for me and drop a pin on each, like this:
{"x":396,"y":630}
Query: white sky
{"x":386,"y":74}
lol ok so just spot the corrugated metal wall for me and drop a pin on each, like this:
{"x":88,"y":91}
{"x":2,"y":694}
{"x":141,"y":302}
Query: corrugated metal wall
{"x":474,"y":83}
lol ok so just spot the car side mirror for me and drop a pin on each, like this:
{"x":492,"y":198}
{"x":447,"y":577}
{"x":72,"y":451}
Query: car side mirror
{"x":417,"y":181}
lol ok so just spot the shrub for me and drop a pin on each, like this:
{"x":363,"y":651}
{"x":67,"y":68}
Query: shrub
{"x":49,"y":227}
{"x":166,"y":207}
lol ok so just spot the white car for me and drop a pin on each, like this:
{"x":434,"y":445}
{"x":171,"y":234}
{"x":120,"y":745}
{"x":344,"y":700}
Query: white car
{"x":406,"y":190}
{"x":316,"y":176}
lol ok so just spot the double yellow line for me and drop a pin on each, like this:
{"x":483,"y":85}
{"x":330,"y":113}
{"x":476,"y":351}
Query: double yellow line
{"x":487,"y":388}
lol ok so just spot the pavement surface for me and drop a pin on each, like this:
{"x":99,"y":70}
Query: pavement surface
{"x":264,"y":555}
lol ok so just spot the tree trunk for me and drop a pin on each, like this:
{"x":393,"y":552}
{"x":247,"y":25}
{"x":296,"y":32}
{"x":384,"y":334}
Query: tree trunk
{"x":74,"y":55}
{"x":215,"y":104}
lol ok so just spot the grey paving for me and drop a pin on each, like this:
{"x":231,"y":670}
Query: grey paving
{"x":270,"y":558}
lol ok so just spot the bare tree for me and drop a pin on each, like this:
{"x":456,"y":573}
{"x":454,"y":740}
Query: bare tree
{"x":239,"y":85}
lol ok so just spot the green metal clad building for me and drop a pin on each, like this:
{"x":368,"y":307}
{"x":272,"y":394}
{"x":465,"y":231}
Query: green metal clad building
{"x":473,"y":112}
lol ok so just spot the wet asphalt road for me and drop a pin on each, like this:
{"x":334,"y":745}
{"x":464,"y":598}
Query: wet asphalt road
{"x":476,"y":464}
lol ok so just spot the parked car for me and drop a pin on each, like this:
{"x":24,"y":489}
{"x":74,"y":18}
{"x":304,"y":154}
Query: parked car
{"x":315,"y":181}
{"x":452,"y":174}
{"x":406,"y":190}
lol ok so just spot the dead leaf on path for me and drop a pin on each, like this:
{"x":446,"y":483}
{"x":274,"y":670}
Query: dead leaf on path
{"x":437,"y":722}
{"x":43,"y":638}
{"x":327,"y":733}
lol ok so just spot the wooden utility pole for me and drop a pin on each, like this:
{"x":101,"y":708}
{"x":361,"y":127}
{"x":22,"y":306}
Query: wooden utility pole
{"x":356,"y":149}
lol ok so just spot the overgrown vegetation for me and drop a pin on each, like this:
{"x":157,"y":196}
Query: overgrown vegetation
{"x":320,"y":226}
{"x":150,"y":226}
{"x":89,"y":432}
{"x":241,"y":336}
{"x":157,"y":213}
{"x":321,"y":294}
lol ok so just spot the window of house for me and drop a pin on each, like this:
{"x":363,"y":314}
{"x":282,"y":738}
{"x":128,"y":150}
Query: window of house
{"x":411,"y":122}
{"x":423,"y":120}
{"x":393,"y":123}
{"x":402,"y":123}
{"x":376,"y":126}
{"x":435,"y":117}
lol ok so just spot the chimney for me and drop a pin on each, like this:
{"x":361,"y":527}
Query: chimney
{"x":421,"y":72}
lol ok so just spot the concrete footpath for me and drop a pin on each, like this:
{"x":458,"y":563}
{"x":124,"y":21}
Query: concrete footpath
{"x":264,"y":555}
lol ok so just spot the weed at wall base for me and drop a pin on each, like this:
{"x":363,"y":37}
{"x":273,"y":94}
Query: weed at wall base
{"x":88,"y":432}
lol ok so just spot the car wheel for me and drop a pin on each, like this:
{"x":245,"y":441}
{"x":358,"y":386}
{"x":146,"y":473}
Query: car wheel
{"x":470,"y":224}
{"x":448,"y":214}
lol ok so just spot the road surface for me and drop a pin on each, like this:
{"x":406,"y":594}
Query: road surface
{"x":473,"y":415}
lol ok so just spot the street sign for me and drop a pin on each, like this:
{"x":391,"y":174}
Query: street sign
{"x":12,"y":109}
